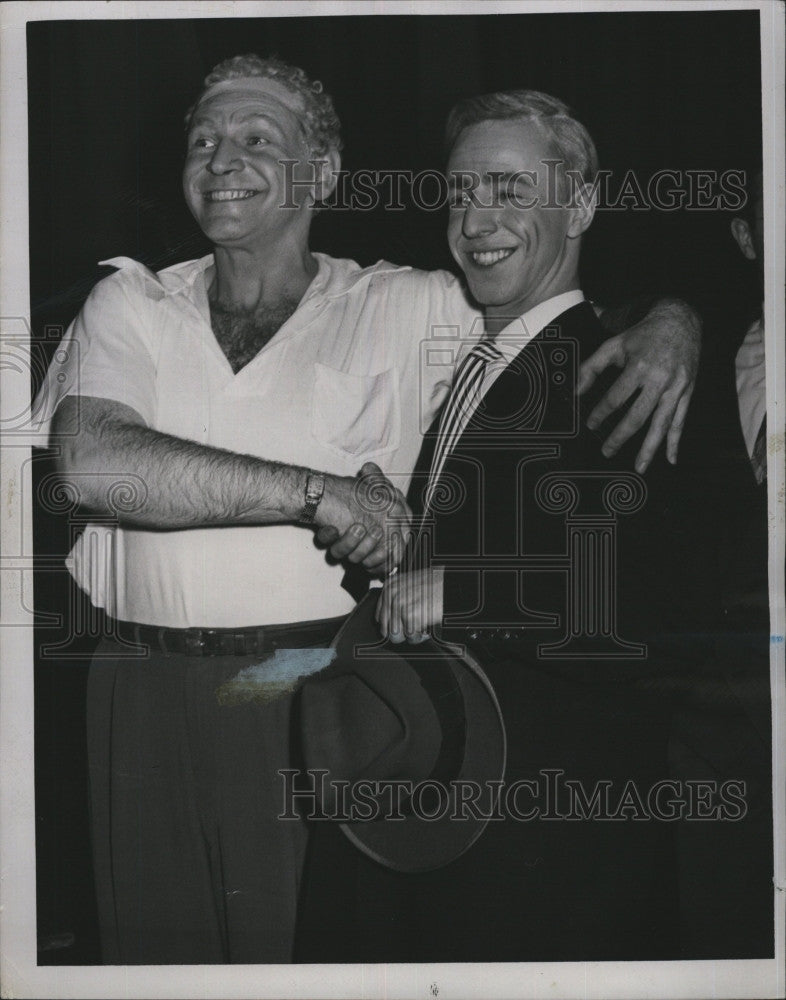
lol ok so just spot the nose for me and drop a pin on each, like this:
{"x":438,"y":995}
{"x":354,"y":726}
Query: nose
{"x":226,"y":157}
{"x":478,"y":220}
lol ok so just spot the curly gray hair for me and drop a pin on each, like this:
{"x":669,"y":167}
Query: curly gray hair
{"x":322,"y":124}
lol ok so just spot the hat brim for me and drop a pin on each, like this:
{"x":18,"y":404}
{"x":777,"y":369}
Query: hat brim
{"x":413,"y":842}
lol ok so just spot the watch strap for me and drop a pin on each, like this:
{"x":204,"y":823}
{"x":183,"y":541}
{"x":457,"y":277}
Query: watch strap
{"x":315,"y":487}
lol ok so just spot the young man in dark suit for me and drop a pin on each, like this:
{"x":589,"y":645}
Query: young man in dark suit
{"x":555,"y":566}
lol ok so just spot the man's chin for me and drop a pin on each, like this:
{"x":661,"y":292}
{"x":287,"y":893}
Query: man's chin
{"x":486,"y":295}
{"x":224,"y":232}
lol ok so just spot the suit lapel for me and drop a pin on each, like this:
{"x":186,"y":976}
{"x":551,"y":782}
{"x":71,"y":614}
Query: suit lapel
{"x":542,"y":371}
{"x":538,"y":384}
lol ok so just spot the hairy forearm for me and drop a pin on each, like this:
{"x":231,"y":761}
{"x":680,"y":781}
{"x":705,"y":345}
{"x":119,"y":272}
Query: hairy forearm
{"x":176,"y":483}
{"x":189,"y":484}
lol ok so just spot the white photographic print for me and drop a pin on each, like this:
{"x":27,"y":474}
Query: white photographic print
{"x":392,"y":499}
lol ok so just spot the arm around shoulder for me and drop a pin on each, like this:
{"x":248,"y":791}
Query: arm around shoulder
{"x":660,"y":356}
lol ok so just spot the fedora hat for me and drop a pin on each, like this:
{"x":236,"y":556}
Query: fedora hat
{"x":388,"y":734}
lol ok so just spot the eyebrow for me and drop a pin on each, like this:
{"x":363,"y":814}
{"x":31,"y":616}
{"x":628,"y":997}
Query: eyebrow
{"x":200,"y":120}
{"x":250,"y":116}
{"x":494,"y":176}
{"x":505,"y":176}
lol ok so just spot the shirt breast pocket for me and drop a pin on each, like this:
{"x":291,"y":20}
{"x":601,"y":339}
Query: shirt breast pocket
{"x":356,"y":416}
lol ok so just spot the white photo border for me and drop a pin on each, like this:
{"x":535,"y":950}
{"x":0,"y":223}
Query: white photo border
{"x":19,"y":974}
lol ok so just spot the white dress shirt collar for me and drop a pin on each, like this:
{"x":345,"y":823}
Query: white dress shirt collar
{"x":512,"y":338}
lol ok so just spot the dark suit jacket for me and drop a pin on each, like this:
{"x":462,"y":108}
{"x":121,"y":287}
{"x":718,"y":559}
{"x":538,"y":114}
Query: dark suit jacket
{"x":547,"y":890}
{"x":560,"y":890}
{"x":526,"y":481}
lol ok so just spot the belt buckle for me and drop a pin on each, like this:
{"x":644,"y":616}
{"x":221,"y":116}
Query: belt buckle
{"x":219,"y":642}
{"x":195,"y":642}
{"x":215,"y":642}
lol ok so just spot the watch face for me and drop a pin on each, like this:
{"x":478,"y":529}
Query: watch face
{"x":315,"y":486}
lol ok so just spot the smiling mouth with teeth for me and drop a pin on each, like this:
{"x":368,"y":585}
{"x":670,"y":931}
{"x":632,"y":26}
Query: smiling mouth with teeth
{"x":235,"y":195}
{"x":485,"y":258}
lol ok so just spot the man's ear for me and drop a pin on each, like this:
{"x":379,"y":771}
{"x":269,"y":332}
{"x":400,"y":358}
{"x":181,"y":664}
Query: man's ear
{"x":743,"y":237}
{"x":585,"y":201}
{"x":326,"y":170}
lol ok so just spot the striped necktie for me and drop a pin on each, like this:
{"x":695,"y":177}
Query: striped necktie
{"x":464,"y":399}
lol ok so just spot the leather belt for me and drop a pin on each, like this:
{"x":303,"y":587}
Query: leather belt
{"x":227,"y":641}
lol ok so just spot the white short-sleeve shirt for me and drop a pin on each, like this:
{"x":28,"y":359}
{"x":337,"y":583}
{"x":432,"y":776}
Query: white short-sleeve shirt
{"x":356,"y":374}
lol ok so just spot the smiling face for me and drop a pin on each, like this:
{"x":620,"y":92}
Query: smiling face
{"x":516,"y":245}
{"x":233,"y":179}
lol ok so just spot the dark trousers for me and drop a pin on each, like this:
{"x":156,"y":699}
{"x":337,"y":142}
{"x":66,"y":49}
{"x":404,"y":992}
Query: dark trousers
{"x":726,"y":868}
{"x":539,"y":889}
{"x":192,"y":863}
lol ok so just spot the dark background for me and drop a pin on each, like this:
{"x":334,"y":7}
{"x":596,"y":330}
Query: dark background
{"x":106,"y":103}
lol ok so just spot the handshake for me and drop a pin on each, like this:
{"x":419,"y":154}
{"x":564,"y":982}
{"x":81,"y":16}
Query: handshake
{"x":366,"y":521}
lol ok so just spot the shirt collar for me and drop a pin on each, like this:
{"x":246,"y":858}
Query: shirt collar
{"x":335,"y":277}
{"x":171,"y":281}
{"x":512,"y":338}
{"x":338,"y":276}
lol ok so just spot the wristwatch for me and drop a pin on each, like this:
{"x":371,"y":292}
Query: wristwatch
{"x":315,"y":487}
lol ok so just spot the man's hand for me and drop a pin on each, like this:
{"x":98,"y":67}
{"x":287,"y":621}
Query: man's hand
{"x":410,"y":604}
{"x":660,"y":356}
{"x":364,"y":520}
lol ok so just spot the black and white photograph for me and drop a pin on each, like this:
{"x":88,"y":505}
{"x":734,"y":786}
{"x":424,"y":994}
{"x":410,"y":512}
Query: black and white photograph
{"x":392,"y":500}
